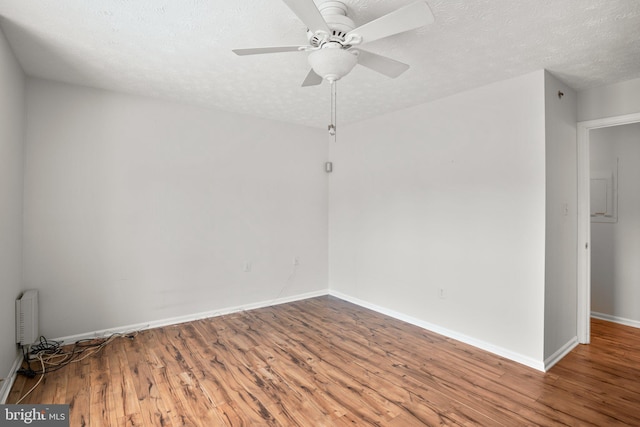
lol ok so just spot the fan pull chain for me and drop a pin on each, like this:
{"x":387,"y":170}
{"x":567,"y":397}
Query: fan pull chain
{"x":332,"y":126}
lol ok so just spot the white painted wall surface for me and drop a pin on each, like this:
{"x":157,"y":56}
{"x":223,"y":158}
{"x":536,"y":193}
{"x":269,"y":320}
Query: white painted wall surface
{"x":139,"y":210}
{"x":12,"y":125}
{"x":608,"y":101}
{"x":448,"y":195}
{"x":615,"y":247}
{"x":561,"y":218}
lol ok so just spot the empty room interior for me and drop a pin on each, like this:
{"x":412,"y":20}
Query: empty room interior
{"x":321,"y":213}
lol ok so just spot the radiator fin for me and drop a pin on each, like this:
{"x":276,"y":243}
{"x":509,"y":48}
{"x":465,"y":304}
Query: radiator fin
{"x":27,"y":330}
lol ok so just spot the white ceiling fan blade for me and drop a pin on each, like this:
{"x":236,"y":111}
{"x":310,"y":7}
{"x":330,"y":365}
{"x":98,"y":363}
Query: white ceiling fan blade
{"x":412,"y":16}
{"x":383,"y":65}
{"x":309,"y":14}
{"x":312,"y":79}
{"x":261,"y":50}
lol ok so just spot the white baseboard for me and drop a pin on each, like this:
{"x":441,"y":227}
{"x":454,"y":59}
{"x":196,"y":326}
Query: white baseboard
{"x":562,"y":352}
{"x":616,"y":319}
{"x":516,"y":357}
{"x":187,"y":318}
{"x":5,"y":386}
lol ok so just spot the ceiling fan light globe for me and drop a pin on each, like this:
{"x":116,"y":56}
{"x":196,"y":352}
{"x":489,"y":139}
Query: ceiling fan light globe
{"x":332,"y":64}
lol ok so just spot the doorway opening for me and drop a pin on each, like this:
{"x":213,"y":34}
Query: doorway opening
{"x":584,"y":217}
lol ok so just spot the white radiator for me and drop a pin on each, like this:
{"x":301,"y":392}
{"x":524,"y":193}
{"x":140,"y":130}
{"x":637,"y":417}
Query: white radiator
{"x":27,"y":331}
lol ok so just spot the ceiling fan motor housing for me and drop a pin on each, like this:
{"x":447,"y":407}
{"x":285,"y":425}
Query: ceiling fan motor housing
{"x":335,"y":15}
{"x":332,"y":60}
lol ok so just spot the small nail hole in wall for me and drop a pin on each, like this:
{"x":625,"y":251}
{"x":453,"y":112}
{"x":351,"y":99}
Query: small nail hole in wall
{"x":560,"y":94}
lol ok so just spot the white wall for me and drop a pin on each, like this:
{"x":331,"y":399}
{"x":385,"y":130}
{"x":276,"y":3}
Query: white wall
{"x":609,"y":101}
{"x":139,"y":210}
{"x":561,"y":218}
{"x":615,"y":247}
{"x":12,"y":124}
{"x":451,"y":195}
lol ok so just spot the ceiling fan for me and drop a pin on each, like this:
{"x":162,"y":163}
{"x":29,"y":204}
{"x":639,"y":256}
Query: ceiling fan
{"x":334,"y":41}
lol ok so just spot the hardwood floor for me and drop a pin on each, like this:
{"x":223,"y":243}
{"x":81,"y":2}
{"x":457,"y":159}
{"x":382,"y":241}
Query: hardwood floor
{"x":326,"y":362}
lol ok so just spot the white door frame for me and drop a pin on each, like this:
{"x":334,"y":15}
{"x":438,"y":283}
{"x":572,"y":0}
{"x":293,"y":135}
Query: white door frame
{"x":584,"y":219}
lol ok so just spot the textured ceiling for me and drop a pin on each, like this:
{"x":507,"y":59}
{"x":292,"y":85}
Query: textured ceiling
{"x":182,"y":50}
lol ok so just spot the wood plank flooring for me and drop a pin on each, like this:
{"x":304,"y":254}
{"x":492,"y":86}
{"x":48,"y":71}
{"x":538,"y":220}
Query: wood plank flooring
{"x":326,"y":362}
